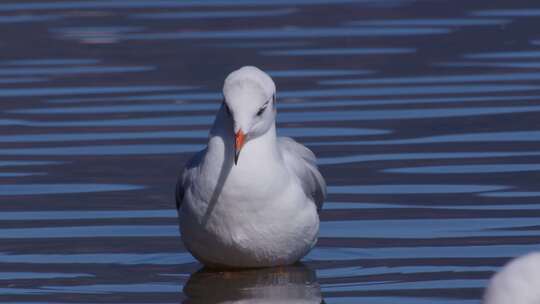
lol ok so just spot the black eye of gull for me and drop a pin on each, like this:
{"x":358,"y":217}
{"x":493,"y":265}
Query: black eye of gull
{"x":261,"y":110}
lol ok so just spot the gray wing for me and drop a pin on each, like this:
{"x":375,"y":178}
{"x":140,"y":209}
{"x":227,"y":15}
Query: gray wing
{"x":186,"y":176}
{"x":304,"y":164}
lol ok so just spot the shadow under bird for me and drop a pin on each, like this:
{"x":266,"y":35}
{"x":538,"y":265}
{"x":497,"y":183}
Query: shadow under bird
{"x":250,"y":198}
{"x":289,"y":284}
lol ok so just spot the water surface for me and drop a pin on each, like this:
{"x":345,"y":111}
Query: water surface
{"x":423,"y":115}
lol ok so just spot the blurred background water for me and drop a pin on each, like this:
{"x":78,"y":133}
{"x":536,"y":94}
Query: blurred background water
{"x":424,"y":116}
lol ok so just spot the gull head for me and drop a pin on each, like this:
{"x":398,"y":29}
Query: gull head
{"x":249,"y":100}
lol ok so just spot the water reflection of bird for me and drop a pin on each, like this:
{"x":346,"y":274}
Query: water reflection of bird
{"x":518,"y":282}
{"x":289,"y":284}
{"x":250,"y":199}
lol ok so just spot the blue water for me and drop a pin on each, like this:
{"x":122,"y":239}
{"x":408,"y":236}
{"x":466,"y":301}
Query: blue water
{"x":313,"y":32}
{"x":19,"y":92}
{"x":339,"y":51}
{"x":523,"y":12}
{"x":40,"y":189}
{"x":215,"y":14}
{"x":432,"y":22}
{"x":423,"y":116}
{"x":468,"y":169}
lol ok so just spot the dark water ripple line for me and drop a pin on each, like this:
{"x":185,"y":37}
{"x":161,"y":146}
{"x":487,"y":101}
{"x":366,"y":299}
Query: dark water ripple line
{"x":96,"y":29}
{"x":428,"y":228}
{"x":419,"y":252}
{"x":147,"y":287}
{"x":410,"y":90}
{"x":262,"y":44}
{"x":87,"y":214}
{"x":339,"y":299}
{"x":138,"y":4}
{"x":467,"y":169}
{"x":62,"y":91}
{"x":436,"y":79}
{"x":20,"y":174}
{"x":214,"y":14}
{"x":158,"y":258}
{"x":509,"y":136}
{"x":419,"y":156}
{"x":394,"y":205}
{"x":35,"y":189}
{"x":50,"y":61}
{"x":366,"y":271}
{"x":21,"y":291}
{"x":508,"y":206}
{"x":424,"y":285}
{"x":313,"y":32}
{"x":200,"y":134}
{"x":525,"y":12}
{"x":96,"y":289}
{"x":505,"y":55}
{"x":12,"y":80}
{"x":444,"y":100}
{"x":91,"y":232}
{"x":432,"y":22}
{"x":29,"y":18}
{"x":526,"y":65}
{"x":469,"y":206}
{"x":65,"y":137}
{"x":293,"y":73}
{"x":17,"y":163}
{"x":128,"y":98}
{"x":513,"y":194}
{"x":338,"y":51}
{"x":140,"y":149}
{"x":41,"y":275}
{"x":362,"y":205}
{"x":100,"y":136}
{"x":50,"y":71}
{"x":413,"y":189}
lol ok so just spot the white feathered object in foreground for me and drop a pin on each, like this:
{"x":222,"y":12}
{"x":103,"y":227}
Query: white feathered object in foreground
{"x":518,"y":282}
{"x":250,"y":199}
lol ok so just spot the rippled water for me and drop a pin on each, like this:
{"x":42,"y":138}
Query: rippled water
{"x":424,"y":116}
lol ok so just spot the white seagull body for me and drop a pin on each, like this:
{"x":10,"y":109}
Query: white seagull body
{"x":257,"y":208}
{"x":518,"y":282}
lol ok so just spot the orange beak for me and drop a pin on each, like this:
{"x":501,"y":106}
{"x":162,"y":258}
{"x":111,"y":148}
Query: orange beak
{"x":238,"y":144}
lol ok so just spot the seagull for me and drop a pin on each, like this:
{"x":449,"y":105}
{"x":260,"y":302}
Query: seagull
{"x":250,"y":199}
{"x":518,"y":282}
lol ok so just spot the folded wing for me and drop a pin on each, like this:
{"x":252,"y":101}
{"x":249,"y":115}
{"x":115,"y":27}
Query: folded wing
{"x":303,"y":163}
{"x":187,"y":176}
